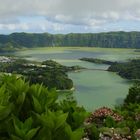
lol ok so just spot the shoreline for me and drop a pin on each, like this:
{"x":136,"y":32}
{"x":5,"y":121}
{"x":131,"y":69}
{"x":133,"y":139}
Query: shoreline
{"x":66,"y":90}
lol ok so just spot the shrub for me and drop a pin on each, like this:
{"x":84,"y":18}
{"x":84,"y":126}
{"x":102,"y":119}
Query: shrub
{"x":30,"y":112}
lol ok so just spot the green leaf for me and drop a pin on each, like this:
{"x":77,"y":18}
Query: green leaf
{"x":17,"y":125}
{"x":31,"y":133}
{"x":5,"y":111}
{"x":67,"y":131}
{"x":37,"y":105}
{"x":46,"y":120}
{"x":4,"y":96}
{"x":36,"y":90}
{"x":44,"y":134}
{"x":15,"y":138}
{"x":27,"y":124}
{"x":21,"y":98}
{"x":110,"y":122}
{"x":60,"y":120}
{"x":79,"y":118}
{"x":94,"y":132}
{"x":77,"y":134}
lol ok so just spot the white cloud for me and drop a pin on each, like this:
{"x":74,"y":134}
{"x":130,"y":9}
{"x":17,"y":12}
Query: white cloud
{"x":13,"y":27}
{"x":61,"y":14}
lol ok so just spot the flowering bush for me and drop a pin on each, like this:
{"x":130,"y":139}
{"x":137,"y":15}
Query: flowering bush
{"x":103,"y":113}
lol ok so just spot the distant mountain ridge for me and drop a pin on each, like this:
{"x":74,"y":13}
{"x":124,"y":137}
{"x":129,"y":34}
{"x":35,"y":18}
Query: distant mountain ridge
{"x":106,"y":40}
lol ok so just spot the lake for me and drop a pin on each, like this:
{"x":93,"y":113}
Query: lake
{"x":93,"y":88}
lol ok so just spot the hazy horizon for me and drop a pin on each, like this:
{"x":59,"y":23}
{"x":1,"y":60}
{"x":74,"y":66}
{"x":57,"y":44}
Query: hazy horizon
{"x":65,"y":33}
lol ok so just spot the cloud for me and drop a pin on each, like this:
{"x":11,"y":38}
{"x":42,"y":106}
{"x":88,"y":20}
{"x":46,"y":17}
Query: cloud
{"x":63,"y":14}
{"x":14,"y":26}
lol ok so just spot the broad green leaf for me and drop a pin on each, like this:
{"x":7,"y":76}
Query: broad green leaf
{"x":27,"y":124}
{"x":44,"y":134}
{"x":4,"y":96}
{"x":18,"y":87}
{"x":36,"y":90}
{"x":15,"y":138}
{"x":5,"y":111}
{"x":37,"y":105}
{"x":18,"y":128}
{"x":21,"y":98}
{"x":2,"y":90}
{"x":79,"y":118}
{"x":39,"y":89}
{"x":77,"y":134}
{"x":68,"y":129}
{"x":60,"y":120}
{"x":45,"y":120}
{"x":31,"y":133}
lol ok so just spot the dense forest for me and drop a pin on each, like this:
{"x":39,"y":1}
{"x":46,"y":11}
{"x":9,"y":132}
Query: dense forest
{"x":129,"y":70}
{"x":110,"y":40}
{"x":48,"y":73}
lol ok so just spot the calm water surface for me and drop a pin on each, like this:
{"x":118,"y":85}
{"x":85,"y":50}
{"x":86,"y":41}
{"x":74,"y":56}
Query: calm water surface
{"x":93,"y":88}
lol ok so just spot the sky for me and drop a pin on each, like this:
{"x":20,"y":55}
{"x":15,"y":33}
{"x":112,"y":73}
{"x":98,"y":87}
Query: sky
{"x":69,"y":16}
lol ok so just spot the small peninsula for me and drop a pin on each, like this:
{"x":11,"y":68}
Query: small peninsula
{"x":129,"y":70}
{"x":48,"y":73}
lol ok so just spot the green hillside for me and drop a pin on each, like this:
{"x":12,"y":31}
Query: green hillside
{"x":110,"y":40}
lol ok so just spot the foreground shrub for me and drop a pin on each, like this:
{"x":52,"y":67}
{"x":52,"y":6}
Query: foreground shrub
{"x":32,"y":112}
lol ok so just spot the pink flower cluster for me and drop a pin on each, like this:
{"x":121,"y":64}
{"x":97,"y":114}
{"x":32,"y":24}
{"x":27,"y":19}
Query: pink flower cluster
{"x":137,"y":134}
{"x":105,"y":112}
{"x":102,"y":113}
{"x":137,"y":117}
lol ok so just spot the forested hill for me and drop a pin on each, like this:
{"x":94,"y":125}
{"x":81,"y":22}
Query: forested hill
{"x":110,"y":39}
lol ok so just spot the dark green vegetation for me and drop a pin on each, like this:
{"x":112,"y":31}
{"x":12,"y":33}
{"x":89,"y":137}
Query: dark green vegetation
{"x":98,"y":61}
{"x":134,"y":95}
{"x":106,"y":40}
{"x":9,"y":47}
{"x":129,"y":70}
{"x":32,"y":112}
{"x":48,"y":73}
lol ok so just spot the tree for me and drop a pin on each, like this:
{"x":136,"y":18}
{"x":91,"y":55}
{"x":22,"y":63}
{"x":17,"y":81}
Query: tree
{"x":134,"y":94}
